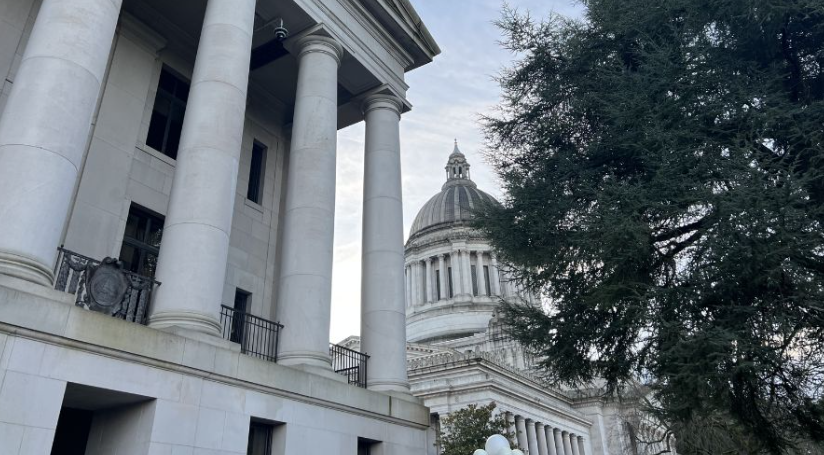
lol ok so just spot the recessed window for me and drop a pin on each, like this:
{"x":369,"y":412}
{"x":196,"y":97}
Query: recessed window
{"x":449,"y":282}
{"x":474,"y":280}
{"x":438,"y":284}
{"x":241,"y":307}
{"x":486,"y":280}
{"x":141,"y":241}
{"x":257,"y":170}
{"x":167,"y":115}
{"x":260,"y":438}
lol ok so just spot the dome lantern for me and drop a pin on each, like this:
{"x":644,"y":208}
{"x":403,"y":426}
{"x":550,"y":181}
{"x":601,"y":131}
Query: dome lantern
{"x":457,"y":168}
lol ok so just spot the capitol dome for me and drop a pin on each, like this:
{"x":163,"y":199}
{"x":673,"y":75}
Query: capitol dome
{"x":453,"y":283}
{"x":458,"y":199}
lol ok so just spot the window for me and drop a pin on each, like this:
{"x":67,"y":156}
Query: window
{"x":167,"y":115}
{"x":257,"y":170}
{"x":241,"y":306}
{"x":438,"y":284}
{"x":366,"y":446}
{"x":472,"y":269}
{"x":449,"y":281}
{"x":260,"y":438}
{"x":141,"y":241}
{"x":486,"y":280}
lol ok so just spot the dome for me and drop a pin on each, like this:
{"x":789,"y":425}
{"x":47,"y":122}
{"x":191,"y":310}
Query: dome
{"x":458,"y":198}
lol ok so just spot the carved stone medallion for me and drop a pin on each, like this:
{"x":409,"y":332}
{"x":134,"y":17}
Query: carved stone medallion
{"x":106,"y":286}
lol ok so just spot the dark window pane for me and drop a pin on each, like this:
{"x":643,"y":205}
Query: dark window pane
{"x":260,"y":439}
{"x":256,"y":173}
{"x":141,"y":241}
{"x":167,"y":115}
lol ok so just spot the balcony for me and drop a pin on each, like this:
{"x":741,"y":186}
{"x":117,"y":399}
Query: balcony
{"x":104,"y":286}
{"x":349,"y":363}
{"x":257,"y":337}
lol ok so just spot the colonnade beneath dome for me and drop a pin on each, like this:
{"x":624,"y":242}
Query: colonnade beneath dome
{"x":457,"y":274}
{"x":540,"y":438}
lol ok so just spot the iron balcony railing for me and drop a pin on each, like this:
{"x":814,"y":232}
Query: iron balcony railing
{"x":349,"y":363}
{"x":104,"y":286}
{"x":257,"y":337}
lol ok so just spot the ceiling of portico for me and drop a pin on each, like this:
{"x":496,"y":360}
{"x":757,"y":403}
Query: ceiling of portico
{"x":274,"y":69}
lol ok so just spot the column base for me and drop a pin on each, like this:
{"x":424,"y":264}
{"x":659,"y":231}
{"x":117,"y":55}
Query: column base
{"x":25,"y":268}
{"x":389,"y":387}
{"x":185,"y":320}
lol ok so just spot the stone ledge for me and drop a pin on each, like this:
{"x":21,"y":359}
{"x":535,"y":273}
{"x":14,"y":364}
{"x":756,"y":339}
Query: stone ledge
{"x":41,"y":313}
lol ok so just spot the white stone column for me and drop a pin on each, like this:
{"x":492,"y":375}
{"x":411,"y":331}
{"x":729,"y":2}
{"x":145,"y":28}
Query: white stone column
{"x":481,"y":277}
{"x":510,"y":422}
{"x":430,"y":292}
{"x":309,"y":210}
{"x":466,"y":266}
{"x":495,"y":286}
{"x":520,"y":432}
{"x":408,"y":281}
{"x":195,"y":247}
{"x":581,"y":445}
{"x":567,"y":444}
{"x":573,"y":442}
{"x":539,"y":430}
{"x":559,"y":442}
{"x":45,"y":127}
{"x":550,"y":441}
{"x":383,"y":319}
{"x":442,"y":277}
{"x":457,"y":280}
{"x":531,"y":437}
{"x":413,"y":282}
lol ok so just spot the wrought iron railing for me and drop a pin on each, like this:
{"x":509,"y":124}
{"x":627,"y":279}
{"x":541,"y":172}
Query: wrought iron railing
{"x":257,"y":337}
{"x":72,"y":274}
{"x":349,"y":363}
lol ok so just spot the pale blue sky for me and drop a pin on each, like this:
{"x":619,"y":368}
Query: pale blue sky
{"x":448,"y":96}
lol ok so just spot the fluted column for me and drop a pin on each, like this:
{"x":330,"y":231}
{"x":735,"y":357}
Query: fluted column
{"x":495,"y":286}
{"x":309,"y":210}
{"x":520,"y":432}
{"x":573,"y":442}
{"x":195,"y":248}
{"x":539,"y":429}
{"x":550,"y":441}
{"x":510,"y":422}
{"x":406,"y":284}
{"x":559,"y":442}
{"x":466,"y":270}
{"x":581,"y":445}
{"x":479,"y":268}
{"x":531,"y":437}
{"x":383,"y":319}
{"x":457,"y":276}
{"x":442,"y":276}
{"x":567,"y":444}
{"x":430,"y":294}
{"x":44,"y":129}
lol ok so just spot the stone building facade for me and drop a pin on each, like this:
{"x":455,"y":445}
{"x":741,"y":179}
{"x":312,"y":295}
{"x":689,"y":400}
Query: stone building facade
{"x":194,"y":141}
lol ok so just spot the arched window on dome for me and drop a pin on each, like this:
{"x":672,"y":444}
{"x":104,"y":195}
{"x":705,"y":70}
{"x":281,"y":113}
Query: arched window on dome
{"x":460,"y":172}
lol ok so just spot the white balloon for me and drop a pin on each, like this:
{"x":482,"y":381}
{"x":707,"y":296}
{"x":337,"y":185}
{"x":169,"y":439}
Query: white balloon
{"x":480,"y":452}
{"x":497,"y":445}
{"x":517,"y":452}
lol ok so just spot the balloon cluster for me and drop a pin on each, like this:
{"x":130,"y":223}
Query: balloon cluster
{"x":497,"y":445}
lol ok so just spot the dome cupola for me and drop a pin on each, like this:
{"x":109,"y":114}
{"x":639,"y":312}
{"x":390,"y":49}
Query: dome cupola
{"x":458,"y":198}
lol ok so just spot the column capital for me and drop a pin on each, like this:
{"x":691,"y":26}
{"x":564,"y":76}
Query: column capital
{"x":428,"y":260}
{"x":382,"y":101}
{"x":317,"y":43}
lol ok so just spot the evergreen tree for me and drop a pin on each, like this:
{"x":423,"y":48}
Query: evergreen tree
{"x":664,"y":178}
{"x":466,"y":430}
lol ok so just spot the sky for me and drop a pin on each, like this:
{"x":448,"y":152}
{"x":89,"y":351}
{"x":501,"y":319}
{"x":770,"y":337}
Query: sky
{"x":448,"y":97}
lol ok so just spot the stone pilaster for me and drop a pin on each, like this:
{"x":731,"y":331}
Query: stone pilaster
{"x":430,"y":292}
{"x":442,"y":276}
{"x":44,"y":129}
{"x":195,"y":248}
{"x":309,"y":211}
{"x":479,"y":268}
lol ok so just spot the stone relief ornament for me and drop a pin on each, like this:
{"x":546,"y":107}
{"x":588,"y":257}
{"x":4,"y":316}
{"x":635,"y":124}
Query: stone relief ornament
{"x":106,"y":286}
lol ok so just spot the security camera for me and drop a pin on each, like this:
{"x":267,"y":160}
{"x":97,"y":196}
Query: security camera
{"x":280,"y":32}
